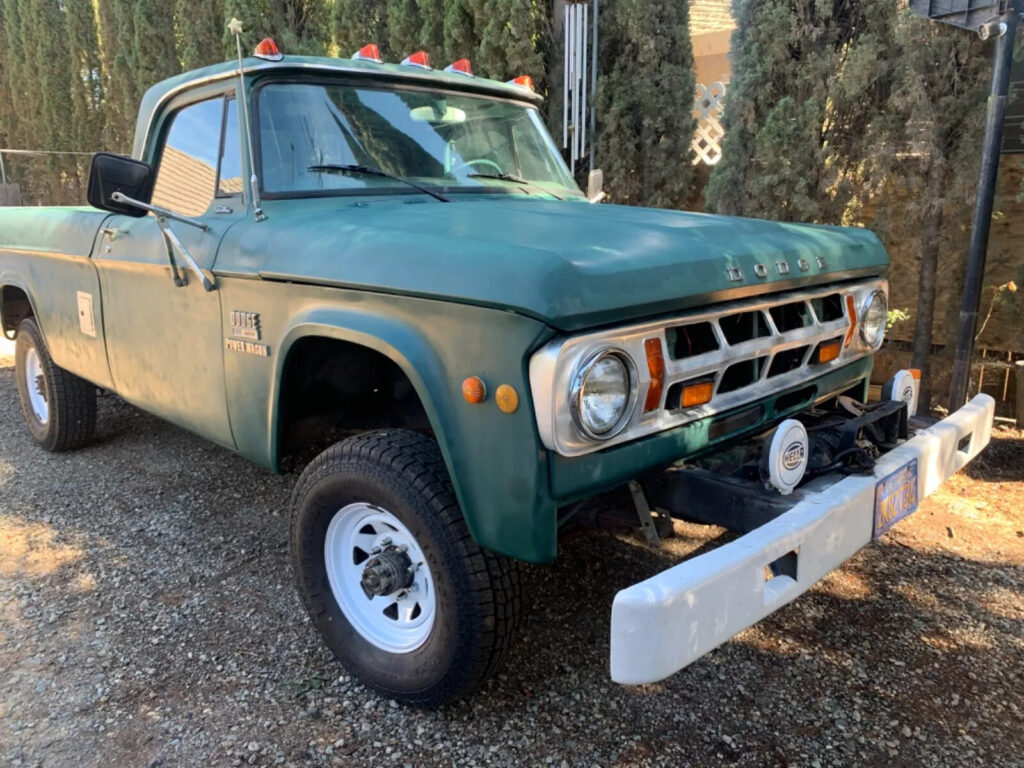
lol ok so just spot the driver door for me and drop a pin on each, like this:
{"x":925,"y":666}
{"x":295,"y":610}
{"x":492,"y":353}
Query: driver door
{"x":164,"y":341}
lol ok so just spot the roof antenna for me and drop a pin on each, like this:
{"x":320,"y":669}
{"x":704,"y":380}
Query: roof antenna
{"x":235,"y":28}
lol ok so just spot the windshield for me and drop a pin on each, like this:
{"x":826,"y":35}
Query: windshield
{"x":448,"y":140}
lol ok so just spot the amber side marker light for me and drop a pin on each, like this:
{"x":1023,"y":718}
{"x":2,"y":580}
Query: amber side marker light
{"x":696,"y":394}
{"x":851,"y":311}
{"x":474,"y":390}
{"x":656,"y":368}
{"x":916,"y":373}
{"x":828,"y":352}
{"x":507,"y":398}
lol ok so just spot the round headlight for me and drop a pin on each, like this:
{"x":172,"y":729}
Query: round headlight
{"x":602,"y":395}
{"x":873,"y":318}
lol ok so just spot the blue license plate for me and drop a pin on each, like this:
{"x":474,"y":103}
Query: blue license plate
{"x":895,"y":497}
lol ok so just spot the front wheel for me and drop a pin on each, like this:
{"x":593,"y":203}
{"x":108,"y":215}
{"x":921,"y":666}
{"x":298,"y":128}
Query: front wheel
{"x":59,"y":407}
{"x":390,"y":574}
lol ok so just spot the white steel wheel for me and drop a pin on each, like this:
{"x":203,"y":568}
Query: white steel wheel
{"x":379,"y":578}
{"x":35,"y":386}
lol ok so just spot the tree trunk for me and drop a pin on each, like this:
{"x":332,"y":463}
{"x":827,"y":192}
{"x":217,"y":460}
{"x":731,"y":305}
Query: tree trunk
{"x":931,"y":231}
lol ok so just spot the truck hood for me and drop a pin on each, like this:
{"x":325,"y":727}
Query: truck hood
{"x":572,"y":265}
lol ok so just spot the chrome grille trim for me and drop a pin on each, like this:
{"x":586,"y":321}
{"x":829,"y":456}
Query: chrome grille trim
{"x":553,"y":367}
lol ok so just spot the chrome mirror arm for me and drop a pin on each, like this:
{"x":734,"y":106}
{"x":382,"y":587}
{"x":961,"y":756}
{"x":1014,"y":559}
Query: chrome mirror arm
{"x":156,"y":210}
{"x":174,"y":245}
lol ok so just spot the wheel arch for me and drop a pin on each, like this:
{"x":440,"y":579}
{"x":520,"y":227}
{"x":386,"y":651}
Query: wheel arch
{"x":395,"y":341}
{"x":15,"y":305}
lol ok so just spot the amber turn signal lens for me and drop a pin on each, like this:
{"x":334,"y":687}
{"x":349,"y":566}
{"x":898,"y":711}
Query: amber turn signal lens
{"x":656,"y":368}
{"x":507,"y":398}
{"x":697,"y":394}
{"x":828,"y":352}
{"x":474,"y":390}
{"x":851,"y":312}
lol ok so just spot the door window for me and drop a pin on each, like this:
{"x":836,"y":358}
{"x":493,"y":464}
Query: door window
{"x":198,"y":147}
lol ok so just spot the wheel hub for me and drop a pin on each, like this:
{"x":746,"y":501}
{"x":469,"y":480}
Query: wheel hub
{"x":387,"y":572}
{"x":380,"y":577}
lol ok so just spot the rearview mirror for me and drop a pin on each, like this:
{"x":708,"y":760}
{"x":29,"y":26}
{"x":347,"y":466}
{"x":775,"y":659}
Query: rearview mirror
{"x":116,"y":173}
{"x":595,"y":186}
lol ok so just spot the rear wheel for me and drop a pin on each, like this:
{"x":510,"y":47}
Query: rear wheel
{"x":390,"y":575}
{"x":59,"y":407}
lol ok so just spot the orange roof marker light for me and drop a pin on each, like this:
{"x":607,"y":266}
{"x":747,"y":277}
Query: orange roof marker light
{"x":419,"y":59}
{"x":369,"y":52}
{"x":267,"y":49}
{"x":462,"y":67}
{"x":523,"y":81}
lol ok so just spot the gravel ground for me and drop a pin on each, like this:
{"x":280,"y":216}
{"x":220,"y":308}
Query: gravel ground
{"x":148,"y":618}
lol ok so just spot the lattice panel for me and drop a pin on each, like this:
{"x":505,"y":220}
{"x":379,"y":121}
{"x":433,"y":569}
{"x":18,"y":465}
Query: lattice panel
{"x":707,"y":109}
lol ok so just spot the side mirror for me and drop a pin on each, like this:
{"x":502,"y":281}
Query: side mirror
{"x":595,"y":186}
{"x":115,"y":173}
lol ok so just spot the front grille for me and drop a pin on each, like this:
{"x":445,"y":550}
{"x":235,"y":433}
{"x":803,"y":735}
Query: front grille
{"x":744,"y":348}
{"x":750,"y":349}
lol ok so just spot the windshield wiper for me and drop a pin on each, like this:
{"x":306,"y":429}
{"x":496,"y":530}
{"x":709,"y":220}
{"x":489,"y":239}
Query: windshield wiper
{"x":365,"y":170}
{"x":514,"y":179}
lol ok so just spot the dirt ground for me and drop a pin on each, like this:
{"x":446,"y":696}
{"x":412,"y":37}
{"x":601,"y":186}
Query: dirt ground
{"x":148,"y":618}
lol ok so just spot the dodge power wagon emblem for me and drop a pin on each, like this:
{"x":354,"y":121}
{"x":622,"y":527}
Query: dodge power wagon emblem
{"x":245,"y":325}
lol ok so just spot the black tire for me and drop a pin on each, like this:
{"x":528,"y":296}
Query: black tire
{"x":70,"y":420}
{"x":477,"y":592}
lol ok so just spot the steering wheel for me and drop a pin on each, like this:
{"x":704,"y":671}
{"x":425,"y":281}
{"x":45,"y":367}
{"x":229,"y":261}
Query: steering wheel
{"x":479,"y":161}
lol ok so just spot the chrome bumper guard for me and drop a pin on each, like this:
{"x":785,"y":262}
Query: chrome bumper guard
{"x":661,"y":625}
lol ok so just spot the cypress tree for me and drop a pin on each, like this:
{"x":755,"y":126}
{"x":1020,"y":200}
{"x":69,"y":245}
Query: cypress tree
{"x":940,"y":100}
{"x":124,"y":86}
{"x":645,"y":103}
{"x":86,"y":127}
{"x":199,"y":27}
{"x":431,"y":37}
{"x":404,"y":27}
{"x":808,"y":80}
{"x":355,"y":23}
{"x":155,"y":54}
{"x":460,"y":36}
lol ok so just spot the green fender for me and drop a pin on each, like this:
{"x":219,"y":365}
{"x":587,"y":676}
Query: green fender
{"x":495,"y":460}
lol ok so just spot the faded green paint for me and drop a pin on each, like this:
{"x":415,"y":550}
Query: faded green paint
{"x":444,"y":290}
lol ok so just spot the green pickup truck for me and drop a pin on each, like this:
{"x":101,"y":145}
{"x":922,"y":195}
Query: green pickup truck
{"x":392,"y":266}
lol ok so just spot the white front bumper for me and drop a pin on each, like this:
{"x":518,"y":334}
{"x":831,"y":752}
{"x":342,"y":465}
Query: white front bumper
{"x":668,"y":621}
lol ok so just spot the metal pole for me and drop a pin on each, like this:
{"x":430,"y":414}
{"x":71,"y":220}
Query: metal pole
{"x":3,"y":171}
{"x":983,"y":210}
{"x":565,"y":85}
{"x":593,"y":93}
{"x":1019,"y":370}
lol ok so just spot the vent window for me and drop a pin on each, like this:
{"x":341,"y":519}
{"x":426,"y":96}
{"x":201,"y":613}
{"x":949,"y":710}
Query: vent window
{"x":744,"y":327}
{"x":741,"y":374}
{"x":828,"y":308}
{"x":786,"y":361}
{"x":789,"y":317}
{"x":690,"y":340}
